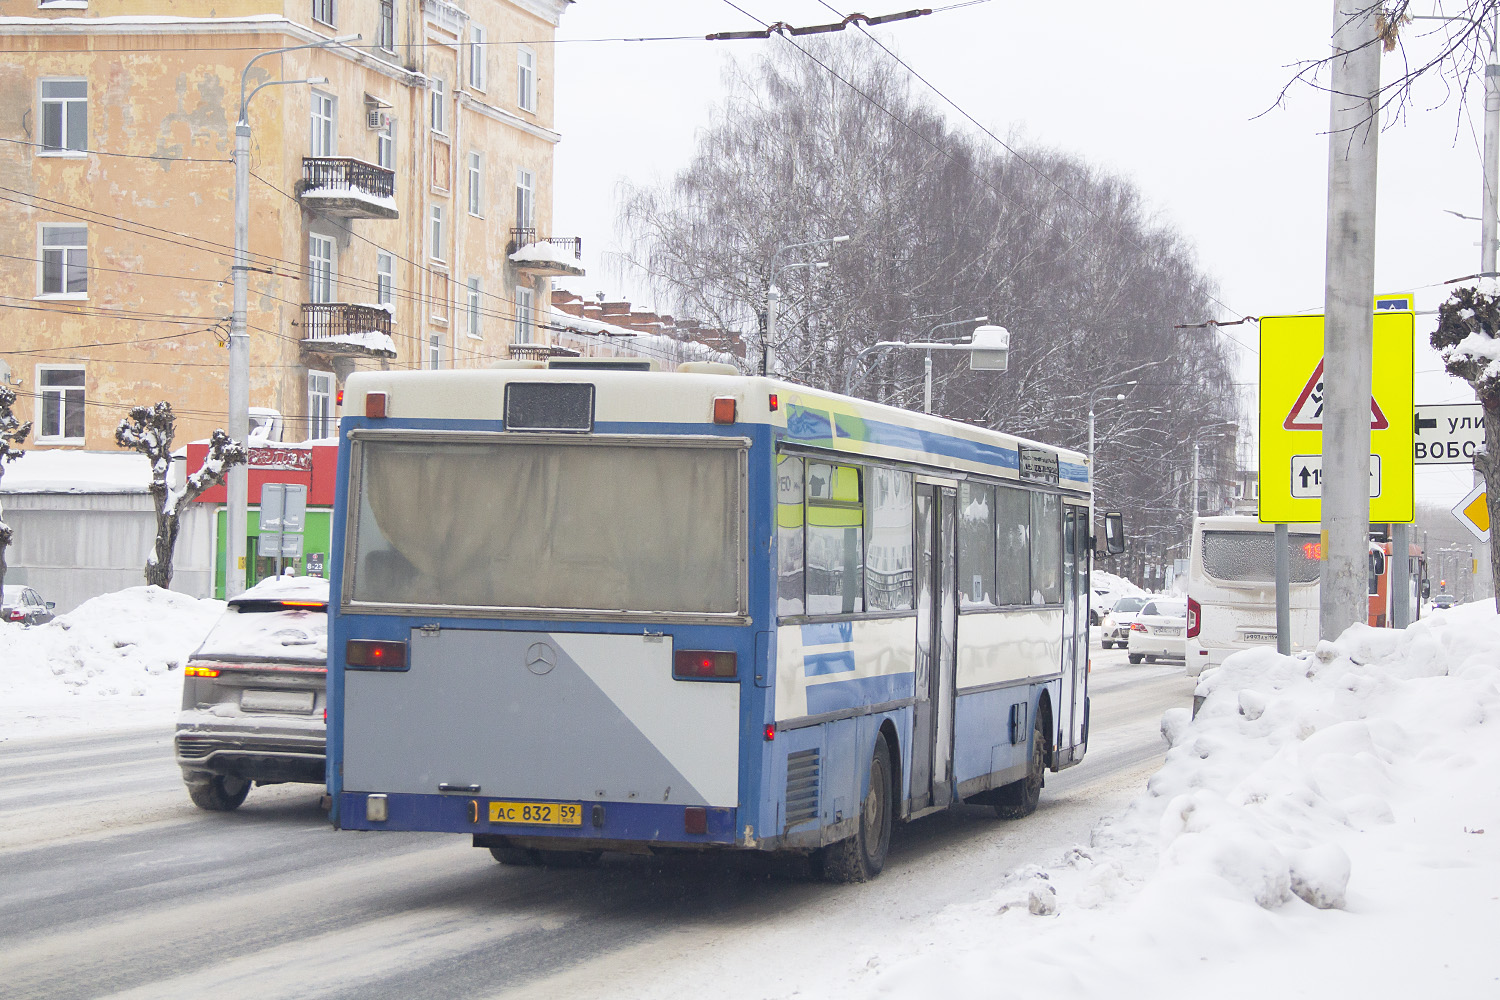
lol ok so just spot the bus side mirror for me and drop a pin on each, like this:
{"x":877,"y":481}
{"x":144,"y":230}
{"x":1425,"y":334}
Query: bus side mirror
{"x":1114,"y":532}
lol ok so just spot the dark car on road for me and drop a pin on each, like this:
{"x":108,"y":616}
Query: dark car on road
{"x":253,"y":699}
{"x":24,"y":605}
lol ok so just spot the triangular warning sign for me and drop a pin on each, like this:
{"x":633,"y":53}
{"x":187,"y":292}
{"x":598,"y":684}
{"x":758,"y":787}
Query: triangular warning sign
{"x":1307,"y":411}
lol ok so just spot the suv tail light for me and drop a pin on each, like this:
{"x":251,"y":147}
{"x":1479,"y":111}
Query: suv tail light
{"x":17,"y":615}
{"x":375,"y":654}
{"x":1194,"y":617}
{"x":702,"y":664}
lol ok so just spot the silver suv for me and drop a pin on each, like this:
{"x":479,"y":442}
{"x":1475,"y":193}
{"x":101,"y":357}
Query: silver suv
{"x":254,"y":705}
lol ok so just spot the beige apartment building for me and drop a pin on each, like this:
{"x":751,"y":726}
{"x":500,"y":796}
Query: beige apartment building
{"x":399,"y":200}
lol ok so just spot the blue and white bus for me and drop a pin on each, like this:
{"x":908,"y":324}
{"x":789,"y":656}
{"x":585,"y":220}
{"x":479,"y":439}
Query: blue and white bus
{"x":585,"y":608}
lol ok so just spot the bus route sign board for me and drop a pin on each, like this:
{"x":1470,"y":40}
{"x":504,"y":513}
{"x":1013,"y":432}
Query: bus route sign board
{"x":1449,"y":433}
{"x":1291,"y":417}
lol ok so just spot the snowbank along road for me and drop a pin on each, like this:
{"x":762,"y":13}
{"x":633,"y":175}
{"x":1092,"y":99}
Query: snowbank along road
{"x":112,"y":884}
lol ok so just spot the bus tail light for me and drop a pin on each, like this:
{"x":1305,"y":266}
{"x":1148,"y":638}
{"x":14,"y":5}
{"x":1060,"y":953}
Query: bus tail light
{"x":724,"y":410}
{"x":375,"y":654}
{"x":1195,"y":611}
{"x":701,"y":664}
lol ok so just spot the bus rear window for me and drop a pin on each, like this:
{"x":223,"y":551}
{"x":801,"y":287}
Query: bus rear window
{"x":1250,"y":556}
{"x":553,"y":527}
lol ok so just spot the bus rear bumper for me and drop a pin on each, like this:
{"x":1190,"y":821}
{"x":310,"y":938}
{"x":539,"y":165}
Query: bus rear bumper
{"x":620,"y":825}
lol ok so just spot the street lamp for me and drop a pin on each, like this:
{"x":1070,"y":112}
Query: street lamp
{"x":773,"y":294}
{"x":989,"y":342}
{"x":238,"y":487}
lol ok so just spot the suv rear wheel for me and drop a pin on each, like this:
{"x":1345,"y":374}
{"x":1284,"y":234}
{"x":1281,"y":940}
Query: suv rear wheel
{"x":217,"y":792}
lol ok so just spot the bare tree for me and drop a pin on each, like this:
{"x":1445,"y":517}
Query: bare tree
{"x":1468,"y":338}
{"x":149,"y":430}
{"x":12,"y":433}
{"x":945,"y":225}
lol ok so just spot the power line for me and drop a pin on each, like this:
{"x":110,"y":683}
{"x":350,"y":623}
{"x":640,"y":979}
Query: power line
{"x":102,"y":152}
{"x":373,"y":50}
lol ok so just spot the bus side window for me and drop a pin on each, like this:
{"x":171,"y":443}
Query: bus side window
{"x":1046,"y":549}
{"x":1013,"y":545}
{"x":889,"y":572}
{"x":976,"y":545}
{"x":835,"y":539}
{"x":789,"y":520}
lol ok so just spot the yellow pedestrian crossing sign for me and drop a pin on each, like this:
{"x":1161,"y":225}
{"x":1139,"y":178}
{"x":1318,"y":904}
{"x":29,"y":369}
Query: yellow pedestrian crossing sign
{"x":1291,"y":415}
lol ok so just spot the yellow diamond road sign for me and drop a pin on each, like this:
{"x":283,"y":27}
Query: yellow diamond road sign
{"x":1291,"y":416}
{"x":1473,"y":512}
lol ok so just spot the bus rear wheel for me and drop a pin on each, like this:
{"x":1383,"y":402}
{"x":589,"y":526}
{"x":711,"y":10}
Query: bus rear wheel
{"x":1020,"y":798}
{"x":527,"y":856}
{"x":861,"y":857}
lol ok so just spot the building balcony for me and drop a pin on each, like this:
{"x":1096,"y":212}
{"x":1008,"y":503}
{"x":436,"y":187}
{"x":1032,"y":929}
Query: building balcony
{"x":549,"y":256}
{"x":347,"y":330}
{"x":348,"y":188}
{"x":539,"y":352}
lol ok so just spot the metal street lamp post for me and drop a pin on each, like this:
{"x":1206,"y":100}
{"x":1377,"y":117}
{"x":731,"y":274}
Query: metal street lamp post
{"x":238,"y":486}
{"x":992,"y":343}
{"x":773,"y":295}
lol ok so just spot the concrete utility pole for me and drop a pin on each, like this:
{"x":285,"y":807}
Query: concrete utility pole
{"x":1484,"y":584}
{"x":1349,"y":293}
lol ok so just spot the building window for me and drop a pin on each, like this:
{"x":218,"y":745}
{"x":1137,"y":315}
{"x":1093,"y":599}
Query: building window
{"x":474,"y":330}
{"x":525,"y":314}
{"x":437,"y":233}
{"x":525,"y":199}
{"x":435,"y":350}
{"x":65,"y":116}
{"x":320,"y":406}
{"x":62,"y":394}
{"x":65,"y":260}
{"x":526,"y":79}
{"x":476,"y":179}
{"x":322,"y":124}
{"x":438,"y":122}
{"x":385,"y":145}
{"x":322,"y":10}
{"x":439,"y":303}
{"x":385,"y":29}
{"x":476,"y":57}
{"x":320,"y":268}
{"x":385,"y":275}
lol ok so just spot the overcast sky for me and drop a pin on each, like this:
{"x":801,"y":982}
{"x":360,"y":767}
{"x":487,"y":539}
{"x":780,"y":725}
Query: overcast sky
{"x":1166,"y":94}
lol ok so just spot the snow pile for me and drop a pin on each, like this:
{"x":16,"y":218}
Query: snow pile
{"x":112,"y":662}
{"x":545,"y":252}
{"x":1109,"y":588}
{"x":370,"y":340}
{"x":1326,"y":826}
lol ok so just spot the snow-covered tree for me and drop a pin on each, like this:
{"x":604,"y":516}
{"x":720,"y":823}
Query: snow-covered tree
{"x":149,"y":430}
{"x":1468,"y":338}
{"x":12,"y":433}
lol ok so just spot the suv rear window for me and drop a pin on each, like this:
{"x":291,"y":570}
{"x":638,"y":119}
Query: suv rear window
{"x":1242,"y":556}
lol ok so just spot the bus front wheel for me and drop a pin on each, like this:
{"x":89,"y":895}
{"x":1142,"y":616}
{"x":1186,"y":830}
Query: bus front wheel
{"x":861,"y":857}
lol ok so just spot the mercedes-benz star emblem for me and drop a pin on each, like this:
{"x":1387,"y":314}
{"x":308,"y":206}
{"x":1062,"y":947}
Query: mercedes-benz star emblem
{"x":541,"y":658}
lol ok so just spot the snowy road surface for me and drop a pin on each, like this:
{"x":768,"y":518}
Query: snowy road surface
{"x":112,"y":884}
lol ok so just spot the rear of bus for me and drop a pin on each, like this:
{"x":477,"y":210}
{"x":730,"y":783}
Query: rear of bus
{"x":541,"y":628}
{"x":1232,"y":588}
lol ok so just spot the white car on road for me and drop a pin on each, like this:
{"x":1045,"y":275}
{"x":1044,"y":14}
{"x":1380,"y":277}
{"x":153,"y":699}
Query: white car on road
{"x":1160,"y":630}
{"x":1117,"y":622}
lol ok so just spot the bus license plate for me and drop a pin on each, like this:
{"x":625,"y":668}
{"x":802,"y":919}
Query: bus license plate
{"x":537,"y":813}
{"x":1260,"y":636}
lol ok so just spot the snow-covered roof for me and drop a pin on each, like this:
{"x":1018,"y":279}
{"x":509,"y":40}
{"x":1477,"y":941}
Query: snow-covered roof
{"x":60,"y":470}
{"x":652,"y":345}
{"x":543,"y":252}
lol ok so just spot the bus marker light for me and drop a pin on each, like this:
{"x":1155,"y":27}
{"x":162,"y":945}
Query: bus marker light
{"x":377,"y":809}
{"x":699,"y":664}
{"x":375,"y":405}
{"x":724,"y":409}
{"x":770,"y":731}
{"x":772,"y":400}
{"x":375,"y":654}
{"x":695,"y":820}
